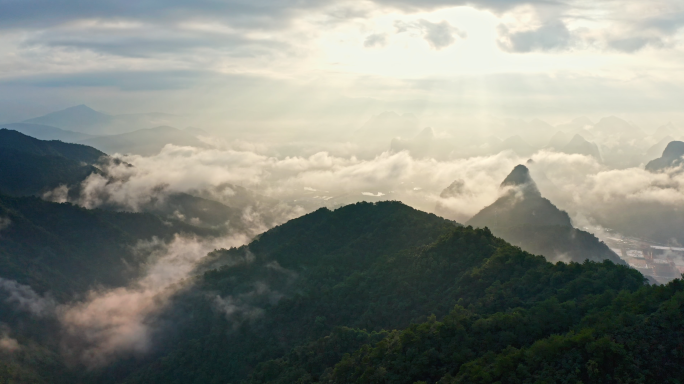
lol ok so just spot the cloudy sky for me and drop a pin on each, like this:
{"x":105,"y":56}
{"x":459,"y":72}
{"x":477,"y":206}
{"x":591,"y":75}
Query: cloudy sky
{"x":337,"y":62}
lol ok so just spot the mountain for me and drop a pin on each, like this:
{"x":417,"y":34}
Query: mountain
{"x":537,"y":132}
{"x":522,"y":203}
{"x":86,"y":120}
{"x":614,"y":126}
{"x":144,"y":142}
{"x":517,"y":145}
{"x":424,"y":144}
{"x":671,"y":157}
{"x":46,"y":132}
{"x":31,"y":166}
{"x":81,"y":118}
{"x":65,"y":249}
{"x":324,"y":290}
{"x":578,"y":145}
{"x":666,"y":130}
{"x":581,"y":125}
{"x":657,"y":149}
{"x":35,"y":167}
{"x":523,"y":217}
{"x":559,"y":140}
{"x":383,"y":293}
{"x":196,"y":211}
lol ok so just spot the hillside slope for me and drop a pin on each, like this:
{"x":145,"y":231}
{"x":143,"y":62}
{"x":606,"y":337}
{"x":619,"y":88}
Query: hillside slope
{"x":66,"y":249}
{"x":31,"y":166}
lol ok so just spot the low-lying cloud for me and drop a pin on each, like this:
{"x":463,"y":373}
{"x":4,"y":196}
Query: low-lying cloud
{"x":26,"y":299}
{"x":112,"y":323}
{"x":120,"y":321}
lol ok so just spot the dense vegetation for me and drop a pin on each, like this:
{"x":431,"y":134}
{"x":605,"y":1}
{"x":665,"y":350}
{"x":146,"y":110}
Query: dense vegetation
{"x":354,"y":296}
{"x":31,"y":166}
{"x":368,"y":293}
{"x":66,"y":249}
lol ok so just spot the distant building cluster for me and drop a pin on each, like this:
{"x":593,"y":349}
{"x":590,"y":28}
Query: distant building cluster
{"x":662,"y":263}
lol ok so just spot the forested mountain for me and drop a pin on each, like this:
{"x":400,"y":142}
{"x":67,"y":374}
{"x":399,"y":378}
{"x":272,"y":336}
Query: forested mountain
{"x":65,"y":249}
{"x":382,"y":293}
{"x":53,"y":254}
{"x":31,"y":166}
{"x":524,"y":218}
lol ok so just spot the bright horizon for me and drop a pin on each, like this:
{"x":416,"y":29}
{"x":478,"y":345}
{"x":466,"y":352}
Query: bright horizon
{"x":334,"y":64}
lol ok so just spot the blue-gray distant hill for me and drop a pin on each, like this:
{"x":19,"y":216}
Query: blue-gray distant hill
{"x":81,"y":118}
{"x":524,"y":218}
{"x":84,"y":119}
{"x":144,"y":142}
{"x":46,"y":132}
{"x":672,"y":157}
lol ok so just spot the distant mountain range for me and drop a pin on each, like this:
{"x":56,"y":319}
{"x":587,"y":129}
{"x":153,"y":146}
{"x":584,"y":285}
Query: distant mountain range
{"x":86,"y":120}
{"x":46,"y":132}
{"x":145,"y":142}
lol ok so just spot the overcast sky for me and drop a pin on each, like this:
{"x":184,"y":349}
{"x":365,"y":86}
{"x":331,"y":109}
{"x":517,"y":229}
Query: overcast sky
{"x":295,"y":62}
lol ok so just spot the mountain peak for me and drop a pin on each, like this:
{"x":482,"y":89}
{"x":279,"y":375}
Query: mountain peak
{"x":79,"y":117}
{"x":426,"y":133}
{"x":578,"y":139}
{"x":81,"y":108}
{"x":582,"y":120}
{"x":519,"y":176}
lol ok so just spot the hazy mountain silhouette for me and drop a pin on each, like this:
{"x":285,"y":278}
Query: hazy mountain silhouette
{"x":80,"y":117}
{"x":516,"y":144}
{"x":614,"y":126}
{"x":86,"y":120}
{"x":671,"y":157}
{"x":666,"y":130}
{"x":46,"y":132}
{"x":578,"y":145}
{"x":523,"y":217}
{"x":424,"y":144}
{"x":145,"y":142}
{"x":656,"y":150}
{"x":559,"y":140}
